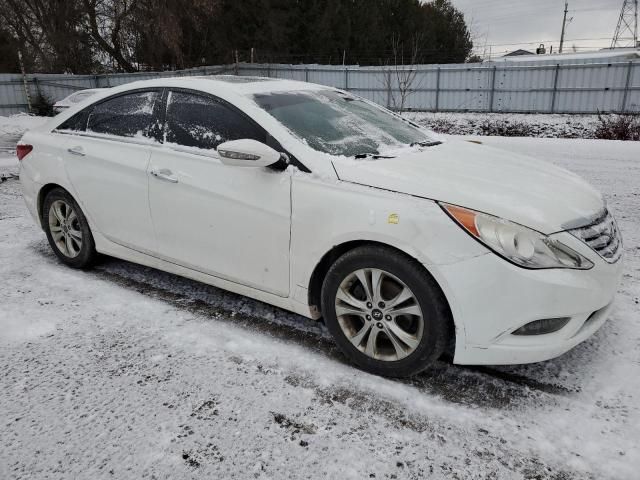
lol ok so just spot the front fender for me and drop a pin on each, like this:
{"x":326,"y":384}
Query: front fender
{"x":346,"y":212}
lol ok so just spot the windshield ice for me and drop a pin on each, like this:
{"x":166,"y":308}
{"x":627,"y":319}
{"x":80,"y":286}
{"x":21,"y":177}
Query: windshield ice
{"x":338,"y":123}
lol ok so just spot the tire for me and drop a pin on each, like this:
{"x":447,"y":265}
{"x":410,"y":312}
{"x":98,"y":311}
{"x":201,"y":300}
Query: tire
{"x":401,"y":334}
{"x":67,"y":230}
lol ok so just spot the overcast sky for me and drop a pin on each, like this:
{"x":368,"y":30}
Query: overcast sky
{"x":531,"y":22}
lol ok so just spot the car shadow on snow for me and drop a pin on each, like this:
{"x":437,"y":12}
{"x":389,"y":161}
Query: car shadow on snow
{"x":489,"y":387}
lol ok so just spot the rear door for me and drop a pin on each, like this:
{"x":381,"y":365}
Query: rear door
{"x":226,"y":221}
{"x":107,"y":156}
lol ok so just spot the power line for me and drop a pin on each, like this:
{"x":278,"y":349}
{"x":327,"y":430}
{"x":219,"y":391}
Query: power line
{"x":533,"y":42}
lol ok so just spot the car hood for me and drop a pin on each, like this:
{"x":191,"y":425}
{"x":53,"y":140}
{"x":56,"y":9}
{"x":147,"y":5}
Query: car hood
{"x":524,"y":190}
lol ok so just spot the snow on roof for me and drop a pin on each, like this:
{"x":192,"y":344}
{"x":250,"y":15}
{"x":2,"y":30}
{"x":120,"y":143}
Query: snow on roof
{"x":236,"y":78}
{"x":615,"y":54}
{"x":232,"y":84}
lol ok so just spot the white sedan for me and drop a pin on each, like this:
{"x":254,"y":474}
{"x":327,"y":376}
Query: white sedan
{"x":319,"y":202}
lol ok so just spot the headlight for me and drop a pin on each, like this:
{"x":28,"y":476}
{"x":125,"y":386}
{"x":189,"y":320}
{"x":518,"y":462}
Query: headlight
{"x":520,"y":245}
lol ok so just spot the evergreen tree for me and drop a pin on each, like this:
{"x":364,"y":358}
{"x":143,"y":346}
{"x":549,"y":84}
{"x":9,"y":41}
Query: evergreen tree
{"x":89,"y":36}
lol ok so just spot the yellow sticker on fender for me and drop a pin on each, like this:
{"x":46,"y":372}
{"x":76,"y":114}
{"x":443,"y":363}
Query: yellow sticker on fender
{"x":394,"y":219}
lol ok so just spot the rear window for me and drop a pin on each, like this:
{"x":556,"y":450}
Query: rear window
{"x":80,"y":96}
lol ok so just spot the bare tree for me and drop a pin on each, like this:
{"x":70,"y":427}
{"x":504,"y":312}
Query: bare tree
{"x":70,"y":35}
{"x":109,"y":23}
{"x":48,"y":32}
{"x":400,"y":76}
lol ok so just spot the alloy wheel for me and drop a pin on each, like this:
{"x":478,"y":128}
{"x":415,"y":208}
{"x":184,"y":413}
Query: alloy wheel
{"x":65,"y":228}
{"x":379,"y":314}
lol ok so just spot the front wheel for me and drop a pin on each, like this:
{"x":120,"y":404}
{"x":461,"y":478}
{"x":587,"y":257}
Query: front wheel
{"x":67,"y":230}
{"x":385,"y":312}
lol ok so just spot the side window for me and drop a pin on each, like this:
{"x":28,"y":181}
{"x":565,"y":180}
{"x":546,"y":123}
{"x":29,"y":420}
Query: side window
{"x":204,"y":122}
{"x":126,"y":115}
{"x":77,"y":123}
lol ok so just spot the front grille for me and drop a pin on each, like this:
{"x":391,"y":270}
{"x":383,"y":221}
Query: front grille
{"x":602,"y":236}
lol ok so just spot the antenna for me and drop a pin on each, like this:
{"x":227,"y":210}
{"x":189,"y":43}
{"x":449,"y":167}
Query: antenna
{"x":626,"y":34}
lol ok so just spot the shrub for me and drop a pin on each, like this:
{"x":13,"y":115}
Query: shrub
{"x":443,"y":125}
{"x":505,"y":128}
{"x":42,"y":106}
{"x":618,"y":127}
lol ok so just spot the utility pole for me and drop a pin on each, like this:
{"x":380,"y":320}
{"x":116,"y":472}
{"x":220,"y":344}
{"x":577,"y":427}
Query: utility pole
{"x":564,"y":23}
{"x":626,"y":34}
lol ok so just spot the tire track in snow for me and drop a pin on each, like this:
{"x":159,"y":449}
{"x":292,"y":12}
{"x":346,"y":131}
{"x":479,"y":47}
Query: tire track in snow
{"x":482,"y":386}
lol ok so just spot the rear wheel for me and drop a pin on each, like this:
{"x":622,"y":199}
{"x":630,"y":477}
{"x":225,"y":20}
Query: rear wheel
{"x":67,"y":229}
{"x":385,"y":312}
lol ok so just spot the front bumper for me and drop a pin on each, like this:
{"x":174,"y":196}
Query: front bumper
{"x":491,"y":298}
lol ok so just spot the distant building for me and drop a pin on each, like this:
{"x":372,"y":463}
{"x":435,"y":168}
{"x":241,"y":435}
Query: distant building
{"x":601,"y":56}
{"x":517,"y":53}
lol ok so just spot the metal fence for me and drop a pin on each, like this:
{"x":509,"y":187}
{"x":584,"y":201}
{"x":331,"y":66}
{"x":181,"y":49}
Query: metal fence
{"x":14,"y":88}
{"x":523,"y":87}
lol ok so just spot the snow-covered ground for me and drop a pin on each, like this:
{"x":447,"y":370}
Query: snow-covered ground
{"x":518,"y":124}
{"x":18,"y":124}
{"x":127,"y":372}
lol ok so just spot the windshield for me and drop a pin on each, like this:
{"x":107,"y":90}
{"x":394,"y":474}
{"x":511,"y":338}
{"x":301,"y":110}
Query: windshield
{"x":338,"y":123}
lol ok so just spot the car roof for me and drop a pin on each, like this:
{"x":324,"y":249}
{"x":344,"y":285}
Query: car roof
{"x":232,"y":84}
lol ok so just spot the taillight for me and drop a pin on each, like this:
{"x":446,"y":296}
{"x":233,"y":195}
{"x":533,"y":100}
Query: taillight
{"x":23,"y":150}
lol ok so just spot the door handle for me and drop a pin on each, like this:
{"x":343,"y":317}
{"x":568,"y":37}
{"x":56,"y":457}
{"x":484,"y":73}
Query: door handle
{"x":77,"y":150}
{"x":164,"y":174}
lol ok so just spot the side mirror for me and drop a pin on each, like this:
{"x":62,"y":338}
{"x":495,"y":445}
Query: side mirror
{"x":247,"y":153}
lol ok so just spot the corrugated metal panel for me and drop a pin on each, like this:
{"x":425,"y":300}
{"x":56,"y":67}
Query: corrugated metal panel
{"x":576,"y":85}
{"x":523,"y":88}
{"x":12,"y":98}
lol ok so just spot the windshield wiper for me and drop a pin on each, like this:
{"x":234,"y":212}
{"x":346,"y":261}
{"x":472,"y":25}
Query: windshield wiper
{"x":371,"y":155}
{"x":429,"y":143}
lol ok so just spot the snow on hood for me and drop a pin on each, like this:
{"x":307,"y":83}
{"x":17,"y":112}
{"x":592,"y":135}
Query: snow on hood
{"x":517,"y":188}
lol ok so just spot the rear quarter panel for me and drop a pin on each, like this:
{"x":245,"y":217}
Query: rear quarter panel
{"x":44,"y":165}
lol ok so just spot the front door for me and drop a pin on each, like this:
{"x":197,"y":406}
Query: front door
{"x":230,"y":222}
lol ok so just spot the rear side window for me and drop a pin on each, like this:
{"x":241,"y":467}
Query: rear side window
{"x":205,"y":122}
{"x":77,"y":123}
{"x":128,"y":115}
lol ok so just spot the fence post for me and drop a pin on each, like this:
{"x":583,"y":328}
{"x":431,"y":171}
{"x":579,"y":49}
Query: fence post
{"x":438,"y":89}
{"x":96,"y":84}
{"x":627,"y":86}
{"x":346,"y":79}
{"x":493,"y":88}
{"x":306,"y":74}
{"x":389,"y":88}
{"x":37,"y":85}
{"x":555,"y":88}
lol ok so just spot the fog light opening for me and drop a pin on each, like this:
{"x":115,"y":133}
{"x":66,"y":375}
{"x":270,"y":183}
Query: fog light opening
{"x":542,"y":327}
